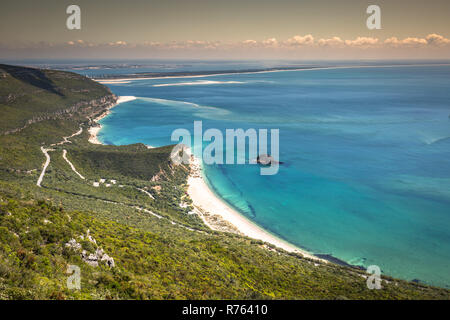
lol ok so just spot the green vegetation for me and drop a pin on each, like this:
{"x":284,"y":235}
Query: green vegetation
{"x":28,"y":94}
{"x":160,"y":250}
{"x":159,"y":265}
{"x":39,"y":107}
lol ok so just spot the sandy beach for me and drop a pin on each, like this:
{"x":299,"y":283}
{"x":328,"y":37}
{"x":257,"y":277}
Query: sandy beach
{"x":128,"y":80}
{"x":94,"y":130}
{"x":206,"y":201}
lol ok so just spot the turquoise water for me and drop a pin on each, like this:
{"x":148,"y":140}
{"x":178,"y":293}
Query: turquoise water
{"x":366,"y":152}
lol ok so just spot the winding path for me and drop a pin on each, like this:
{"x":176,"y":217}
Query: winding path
{"x":65,"y":139}
{"x":47,"y":156}
{"x":70,"y":164}
{"x":147,"y":193}
{"x":139,"y":208}
{"x":47,"y":162}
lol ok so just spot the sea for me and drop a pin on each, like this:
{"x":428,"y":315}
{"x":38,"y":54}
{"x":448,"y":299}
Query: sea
{"x":365,"y":150}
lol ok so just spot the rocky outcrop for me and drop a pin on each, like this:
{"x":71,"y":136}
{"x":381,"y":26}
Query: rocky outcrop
{"x":85,"y":108}
{"x":92,"y":259}
{"x":266,"y":160}
{"x":73,"y":244}
{"x":157,"y":177}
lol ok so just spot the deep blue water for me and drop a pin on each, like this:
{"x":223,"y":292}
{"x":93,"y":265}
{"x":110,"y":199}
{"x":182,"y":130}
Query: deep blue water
{"x":366,"y":152}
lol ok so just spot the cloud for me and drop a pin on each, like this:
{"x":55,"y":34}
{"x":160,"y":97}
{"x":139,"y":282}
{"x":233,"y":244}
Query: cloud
{"x":118,"y":44}
{"x":271,"y":42}
{"x":333,"y":42}
{"x":411,"y":42}
{"x":437,"y":40}
{"x":363,"y":42}
{"x":407,"y":42}
{"x":291,"y":45}
{"x":200,"y":44}
{"x":250,"y":43}
{"x":300,"y":40}
{"x":177,"y":45}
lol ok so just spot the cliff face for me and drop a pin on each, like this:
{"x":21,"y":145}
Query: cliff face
{"x":39,"y":107}
{"x":87,"y":109}
{"x":28,"y":96}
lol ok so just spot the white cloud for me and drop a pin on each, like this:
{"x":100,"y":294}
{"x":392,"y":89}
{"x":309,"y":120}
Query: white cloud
{"x":412,"y":41}
{"x":118,"y":44}
{"x":363,"y":42}
{"x":251,"y":43}
{"x":307,"y":44}
{"x":300,"y":40}
{"x":430,"y":40}
{"x":271,"y":42}
{"x":437,"y":40}
{"x":334,"y":42}
{"x":407,"y":42}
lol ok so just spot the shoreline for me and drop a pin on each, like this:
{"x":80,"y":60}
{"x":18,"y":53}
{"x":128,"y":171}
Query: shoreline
{"x":95,"y":129}
{"x":128,"y":78}
{"x":206,"y":202}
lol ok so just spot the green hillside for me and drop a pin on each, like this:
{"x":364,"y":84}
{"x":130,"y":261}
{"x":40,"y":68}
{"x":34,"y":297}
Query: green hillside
{"x":128,"y":199}
{"x":28,"y":95}
{"x":38,"y":107}
{"x":166,"y":263}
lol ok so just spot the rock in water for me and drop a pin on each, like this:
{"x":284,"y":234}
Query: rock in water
{"x":266,"y":160}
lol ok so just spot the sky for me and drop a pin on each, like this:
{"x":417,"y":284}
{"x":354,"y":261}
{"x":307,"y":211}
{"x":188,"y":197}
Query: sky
{"x":233,"y":29}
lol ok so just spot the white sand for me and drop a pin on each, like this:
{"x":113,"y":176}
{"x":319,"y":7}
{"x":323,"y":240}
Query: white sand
{"x":94,"y":130}
{"x":93,"y":137}
{"x":112,"y":82}
{"x":306,"y":68}
{"x":204,"y":198}
{"x":123,"y":99}
{"x":196,"y":83}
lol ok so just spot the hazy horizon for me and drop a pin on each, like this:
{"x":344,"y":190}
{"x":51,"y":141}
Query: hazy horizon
{"x":214,"y":30}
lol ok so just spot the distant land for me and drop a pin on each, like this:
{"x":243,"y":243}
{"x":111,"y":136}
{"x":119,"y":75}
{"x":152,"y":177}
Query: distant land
{"x":199,"y":73}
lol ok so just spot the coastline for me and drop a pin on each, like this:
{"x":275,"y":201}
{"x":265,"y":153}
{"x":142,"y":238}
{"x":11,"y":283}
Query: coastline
{"x":95,"y":129}
{"x":129,"y":78}
{"x":207,"y":203}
